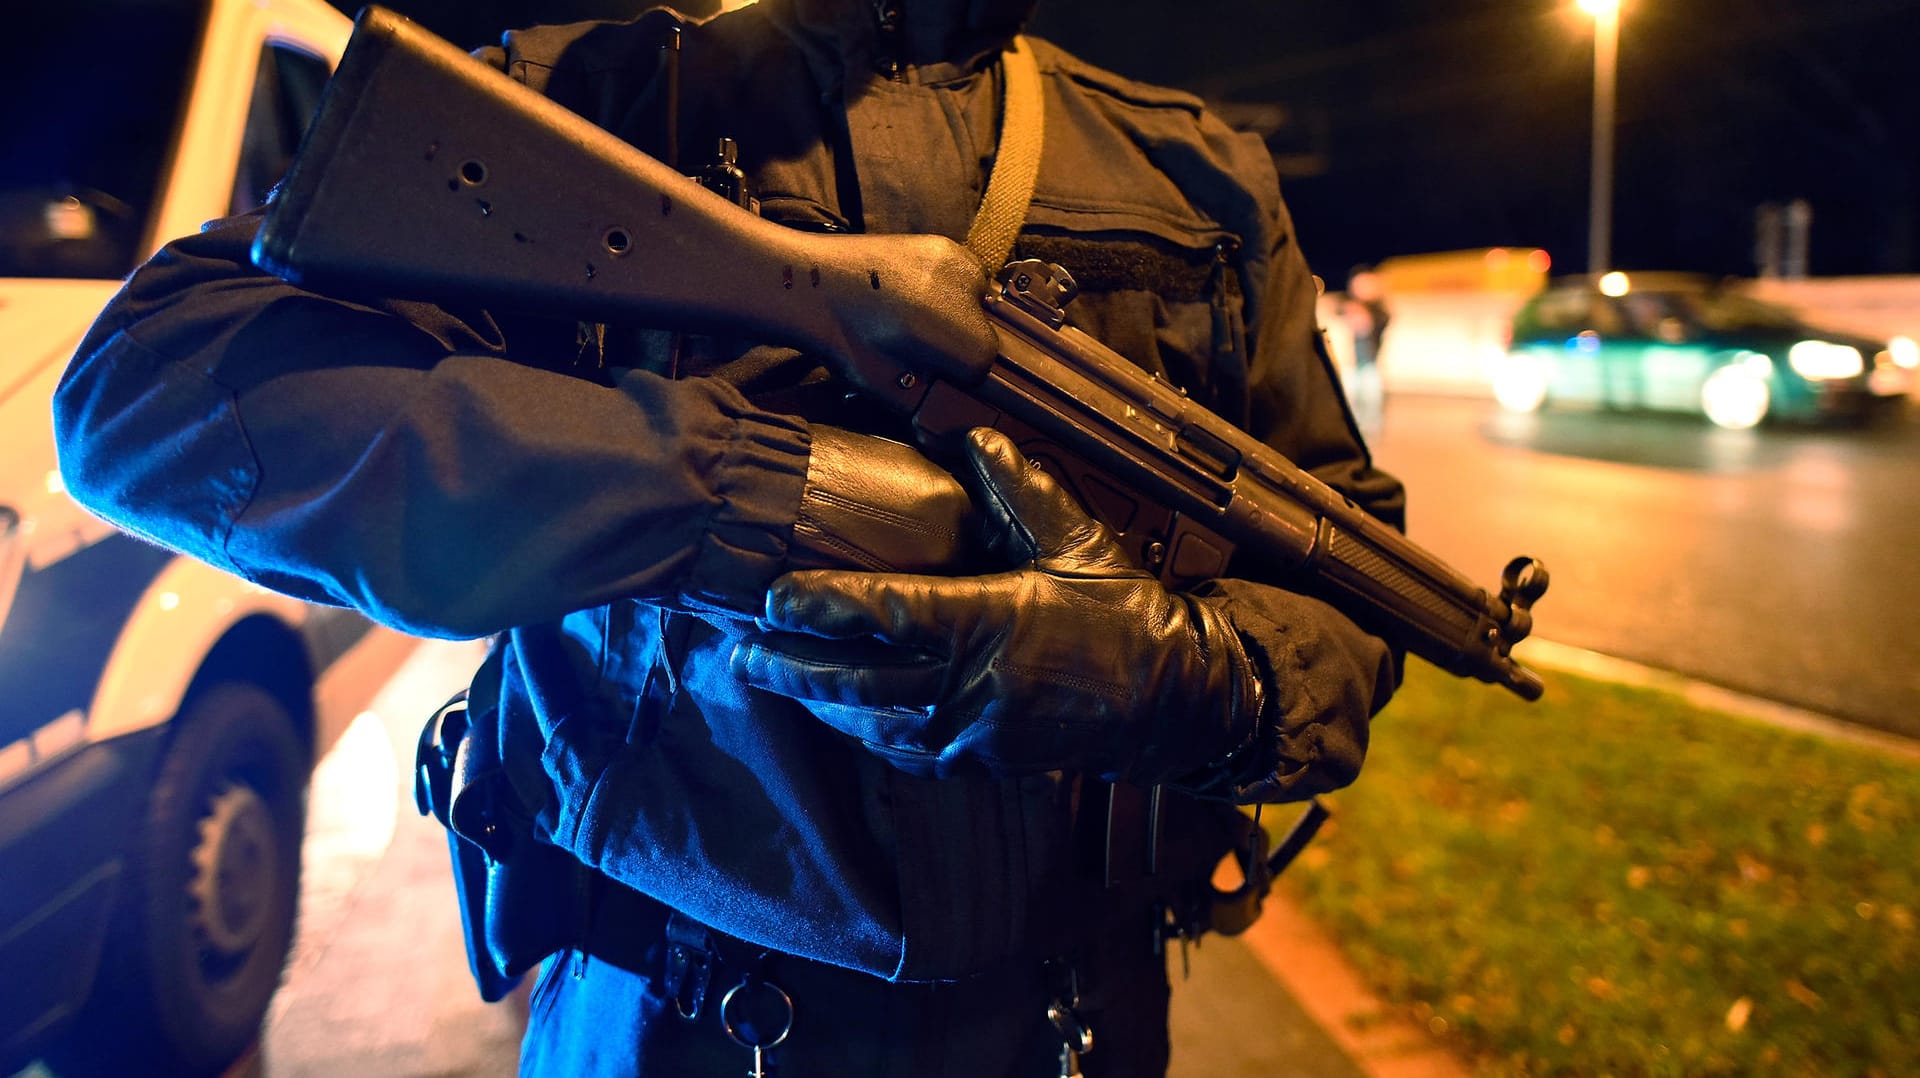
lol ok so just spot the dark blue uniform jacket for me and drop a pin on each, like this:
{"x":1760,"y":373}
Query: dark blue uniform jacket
{"x":616,"y":513}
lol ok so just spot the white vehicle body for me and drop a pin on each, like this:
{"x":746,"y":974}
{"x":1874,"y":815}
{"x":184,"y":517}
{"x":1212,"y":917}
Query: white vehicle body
{"x":107,"y":643}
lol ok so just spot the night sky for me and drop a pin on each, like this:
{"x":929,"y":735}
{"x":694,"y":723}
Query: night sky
{"x":1421,"y":125}
{"x":1444,"y":124}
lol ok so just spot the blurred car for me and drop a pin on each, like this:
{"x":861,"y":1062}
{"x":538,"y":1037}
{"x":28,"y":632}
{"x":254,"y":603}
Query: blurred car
{"x":1680,"y":343}
{"x":158,"y":718}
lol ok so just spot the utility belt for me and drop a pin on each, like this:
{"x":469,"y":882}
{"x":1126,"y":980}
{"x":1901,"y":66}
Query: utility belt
{"x":522,"y":899}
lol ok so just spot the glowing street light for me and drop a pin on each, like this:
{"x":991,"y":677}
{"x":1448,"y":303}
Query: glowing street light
{"x":1606,"y":49}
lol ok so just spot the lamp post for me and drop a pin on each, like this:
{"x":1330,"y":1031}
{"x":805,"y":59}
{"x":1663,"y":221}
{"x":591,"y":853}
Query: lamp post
{"x":1606,"y":49}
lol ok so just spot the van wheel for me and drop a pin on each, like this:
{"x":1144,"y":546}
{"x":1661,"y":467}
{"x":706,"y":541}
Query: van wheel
{"x":205,"y":922}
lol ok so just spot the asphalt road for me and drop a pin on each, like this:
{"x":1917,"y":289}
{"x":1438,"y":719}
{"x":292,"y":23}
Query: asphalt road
{"x":1776,"y":562}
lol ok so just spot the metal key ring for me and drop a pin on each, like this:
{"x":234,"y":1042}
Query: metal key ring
{"x":727,"y":1022}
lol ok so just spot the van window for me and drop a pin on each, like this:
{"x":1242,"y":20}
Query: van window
{"x":286,"y":91}
{"x":90,"y":99}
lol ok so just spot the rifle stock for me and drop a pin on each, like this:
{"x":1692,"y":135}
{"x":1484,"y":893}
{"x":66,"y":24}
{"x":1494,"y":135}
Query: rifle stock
{"x":429,"y":175}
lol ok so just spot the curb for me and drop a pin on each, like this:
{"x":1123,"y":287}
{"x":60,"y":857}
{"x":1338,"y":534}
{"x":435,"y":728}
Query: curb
{"x":1381,"y":1039}
{"x":1601,"y":667}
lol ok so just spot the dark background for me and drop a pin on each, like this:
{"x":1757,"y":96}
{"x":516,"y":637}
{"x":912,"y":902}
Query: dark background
{"x":1417,"y":125}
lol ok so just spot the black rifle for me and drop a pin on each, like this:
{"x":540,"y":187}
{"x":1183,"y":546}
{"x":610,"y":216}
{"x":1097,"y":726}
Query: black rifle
{"x":428,"y":174}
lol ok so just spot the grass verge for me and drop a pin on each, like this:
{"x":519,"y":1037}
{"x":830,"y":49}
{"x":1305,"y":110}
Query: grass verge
{"x":1613,"y":881}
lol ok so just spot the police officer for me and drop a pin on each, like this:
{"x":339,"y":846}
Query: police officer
{"x":877,"y":857}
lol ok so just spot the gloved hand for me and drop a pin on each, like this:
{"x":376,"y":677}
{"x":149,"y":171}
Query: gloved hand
{"x":878,"y":505}
{"x":1074,"y":659}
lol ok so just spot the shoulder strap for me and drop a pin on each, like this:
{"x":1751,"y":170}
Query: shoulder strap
{"x":1017,"y":162}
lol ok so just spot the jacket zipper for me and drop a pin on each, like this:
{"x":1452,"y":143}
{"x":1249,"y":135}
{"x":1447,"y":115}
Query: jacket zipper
{"x":1228,"y":339}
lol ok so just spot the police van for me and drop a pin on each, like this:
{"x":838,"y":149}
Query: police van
{"x":158,"y":718}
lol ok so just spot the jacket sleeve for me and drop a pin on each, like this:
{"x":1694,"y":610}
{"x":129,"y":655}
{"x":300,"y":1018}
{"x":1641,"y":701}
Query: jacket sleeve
{"x":411,"y":461}
{"x":1323,"y":676}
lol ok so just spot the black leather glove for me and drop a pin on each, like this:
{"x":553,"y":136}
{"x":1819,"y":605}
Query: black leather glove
{"x":874,"y":504}
{"x":1073,"y":660}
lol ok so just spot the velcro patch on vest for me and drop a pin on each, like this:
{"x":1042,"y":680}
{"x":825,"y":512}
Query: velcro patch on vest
{"x":1109,"y":265}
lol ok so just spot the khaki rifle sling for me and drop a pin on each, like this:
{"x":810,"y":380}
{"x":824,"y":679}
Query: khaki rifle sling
{"x":1017,"y":162}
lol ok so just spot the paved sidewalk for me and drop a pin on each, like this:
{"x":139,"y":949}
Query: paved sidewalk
{"x":1233,"y":1019}
{"x":377,"y":986}
{"x":1381,"y":1041}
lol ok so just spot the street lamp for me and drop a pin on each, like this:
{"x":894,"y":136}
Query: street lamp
{"x":1606,"y":49}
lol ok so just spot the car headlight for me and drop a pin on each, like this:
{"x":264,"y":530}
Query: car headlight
{"x":1736,"y":396}
{"x":1520,"y":382}
{"x":1821,"y":361}
{"x":1904,"y":352}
